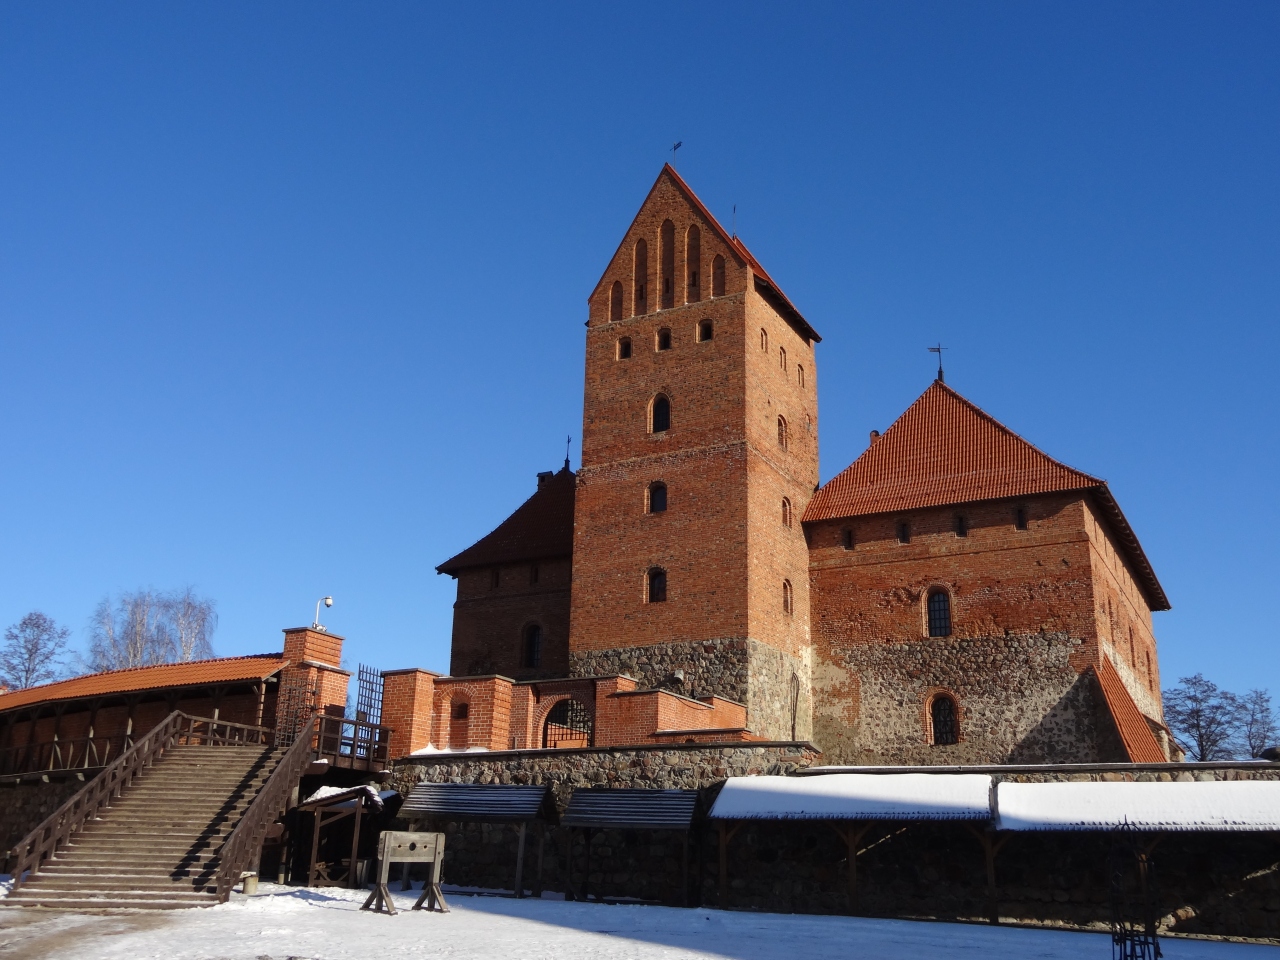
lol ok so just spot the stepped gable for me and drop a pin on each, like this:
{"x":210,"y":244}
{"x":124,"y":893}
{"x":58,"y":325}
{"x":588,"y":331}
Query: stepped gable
{"x":540,"y":528}
{"x":1135,"y":733}
{"x":134,"y":679}
{"x":765,"y":284}
{"x":945,"y":450}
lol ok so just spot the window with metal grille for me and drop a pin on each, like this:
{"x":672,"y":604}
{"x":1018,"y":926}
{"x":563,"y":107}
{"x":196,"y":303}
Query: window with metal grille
{"x":939,"y":614}
{"x":657,"y":585}
{"x":942,"y":717}
{"x":568,"y":725}
{"x":368,"y":694}
{"x":657,"y":498}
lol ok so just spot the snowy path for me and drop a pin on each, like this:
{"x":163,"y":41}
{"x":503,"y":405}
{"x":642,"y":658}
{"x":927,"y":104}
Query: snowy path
{"x":288,"y":922}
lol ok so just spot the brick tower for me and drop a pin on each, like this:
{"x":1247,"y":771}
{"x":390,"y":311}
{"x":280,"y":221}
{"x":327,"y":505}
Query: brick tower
{"x":699,"y":456}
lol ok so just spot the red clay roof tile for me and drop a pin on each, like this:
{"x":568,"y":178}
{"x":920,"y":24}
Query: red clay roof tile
{"x":1139,"y":742}
{"x":541,"y":527}
{"x":134,"y":679}
{"x":944,"y":450}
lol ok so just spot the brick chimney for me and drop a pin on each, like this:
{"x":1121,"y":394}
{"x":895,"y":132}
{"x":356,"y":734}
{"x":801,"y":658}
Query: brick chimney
{"x":317,"y":656}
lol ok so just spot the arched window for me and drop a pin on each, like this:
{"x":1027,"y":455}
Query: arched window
{"x":459,"y":715}
{"x":939,"y":609}
{"x":532,"y":653}
{"x":705,"y":331}
{"x":788,"y":604}
{"x":717,"y":276}
{"x":782,"y":432}
{"x":943,"y":720}
{"x":660,"y":419}
{"x":615,"y":301}
{"x":657,"y":497}
{"x":568,"y":725}
{"x":782,"y":357}
{"x":640,"y":304}
{"x":667,"y":255}
{"x":786,"y":512}
{"x":800,"y":375}
{"x":624,"y":348}
{"x":657,"y":585}
{"x":764,"y":339}
{"x":693,"y":263}
{"x":663,"y":341}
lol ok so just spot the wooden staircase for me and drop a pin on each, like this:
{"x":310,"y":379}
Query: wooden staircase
{"x":161,"y":837}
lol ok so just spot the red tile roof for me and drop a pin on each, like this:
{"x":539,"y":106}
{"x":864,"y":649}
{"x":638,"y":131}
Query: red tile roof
{"x":541,"y":528}
{"x":1135,"y":733}
{"x":944,"y":450}
{"x":136,"y":679}
{"x":770,"y":288}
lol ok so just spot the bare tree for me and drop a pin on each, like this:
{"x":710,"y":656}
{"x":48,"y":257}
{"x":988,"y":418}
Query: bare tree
{"x":1205,"y":720}
{"x":32,"y":651}
{"x":192,"y":620}
{"x":1257,"y":723}
{"x":144,"y":628}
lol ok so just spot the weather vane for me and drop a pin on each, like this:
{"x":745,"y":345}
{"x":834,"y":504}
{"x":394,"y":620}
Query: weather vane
{"x":938,"y":350}
{"x":674,"y":147}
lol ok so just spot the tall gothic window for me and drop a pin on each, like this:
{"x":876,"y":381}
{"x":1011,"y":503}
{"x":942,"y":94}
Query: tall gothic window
{"x":657,"y":497}
{"x":660,"y":419}
{"x":615,"y":301}
{"x":782,"y":432}
{"x":657,"y":585}
{"x":667,"y":257}
{"x":943,"y":720}
{"x":939,"y":607}
{"x":786,"y":512}
{"x":788,"y":601}
{"x":693,"y":263}
{"x":640,"y":303}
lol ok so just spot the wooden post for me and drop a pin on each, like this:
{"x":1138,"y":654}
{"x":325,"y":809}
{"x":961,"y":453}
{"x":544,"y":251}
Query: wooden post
{"x":991,"y":845}
{"x":315,"y":848}
{"x":569,"y":893}
{"x":261,"y":690}
{"x":726,"y":834}
{"x":586,"y":879}
{"x":684,"y":871}
{"x":520,"y":864}
{"x":537,"y":880}
{"x":352,"y":874}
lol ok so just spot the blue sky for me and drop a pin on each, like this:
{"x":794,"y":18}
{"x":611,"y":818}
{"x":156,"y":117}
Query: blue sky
{"x":291,"y":295}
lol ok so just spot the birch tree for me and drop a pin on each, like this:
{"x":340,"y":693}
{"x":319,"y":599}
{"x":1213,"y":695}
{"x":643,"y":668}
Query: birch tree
{"x":32,"y":651}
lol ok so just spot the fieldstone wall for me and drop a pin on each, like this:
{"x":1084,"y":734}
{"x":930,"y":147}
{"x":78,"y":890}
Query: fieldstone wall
{"x":743,"y":670}
{"x":25,"y":804}
{"x":1020,"y":701}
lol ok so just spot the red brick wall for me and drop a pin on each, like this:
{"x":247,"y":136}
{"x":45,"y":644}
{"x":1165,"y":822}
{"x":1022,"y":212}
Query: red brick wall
{"x":1024,"y":624}
{"x":489,"y":622}
{"x":304,"y":643}
{"x":408,"y":702}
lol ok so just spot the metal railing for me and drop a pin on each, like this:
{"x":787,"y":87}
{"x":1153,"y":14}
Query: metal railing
{"x":245,"y":840}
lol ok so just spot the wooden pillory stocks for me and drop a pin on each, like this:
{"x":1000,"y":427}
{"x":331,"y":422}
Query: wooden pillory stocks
{"x":405,"y":847}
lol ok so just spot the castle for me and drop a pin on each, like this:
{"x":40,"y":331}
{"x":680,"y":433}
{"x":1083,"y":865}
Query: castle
{"x":953,"y":596}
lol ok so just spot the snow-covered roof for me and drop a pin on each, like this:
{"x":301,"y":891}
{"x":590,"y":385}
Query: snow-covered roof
{"x":856,"y":796}
{"x":1219,"y":805}
{"x":339,"y":797}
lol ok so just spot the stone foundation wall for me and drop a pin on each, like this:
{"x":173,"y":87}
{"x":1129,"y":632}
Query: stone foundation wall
{"x":743,"y":670}
{"x":1020,"y":700}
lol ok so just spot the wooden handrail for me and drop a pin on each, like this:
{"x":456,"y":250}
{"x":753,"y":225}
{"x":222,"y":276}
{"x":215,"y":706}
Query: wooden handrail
{"x":245,"y":840}
{"x":43,"y":842}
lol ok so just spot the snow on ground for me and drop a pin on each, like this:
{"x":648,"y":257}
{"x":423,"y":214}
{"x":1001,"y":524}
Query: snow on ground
{"x":297,"y":923}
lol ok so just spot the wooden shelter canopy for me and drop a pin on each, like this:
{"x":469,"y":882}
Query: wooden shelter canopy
{"x":346,"y":797}
{"x":856,"y":796}
{"x":479,"y":803}
{"x":1225,"y":805}
{"x":632,"y":809}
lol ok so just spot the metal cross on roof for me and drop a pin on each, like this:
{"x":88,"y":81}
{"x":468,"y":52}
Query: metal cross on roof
{"x":938,"y":350}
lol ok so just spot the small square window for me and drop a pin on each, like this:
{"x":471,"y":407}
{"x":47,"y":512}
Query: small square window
{"x":664,"y":339}
{"x":705,"y":331}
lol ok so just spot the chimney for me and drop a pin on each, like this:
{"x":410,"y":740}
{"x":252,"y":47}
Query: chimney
{"x":544,"y":476}
{"x":875,"y":435}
